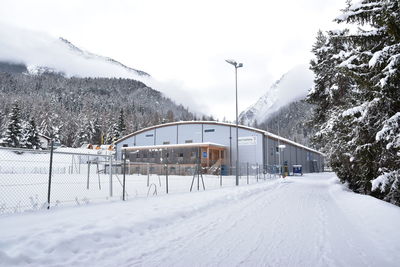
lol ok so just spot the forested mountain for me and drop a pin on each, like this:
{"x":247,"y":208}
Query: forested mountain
{"x":37,"y":52}
{"x":281,"y":110}
{"x":83,"y":110}
{"x":292,"y":122}
{"x":93,"y":57}
{"x":292,"y":86}
{"x":357,"y":97}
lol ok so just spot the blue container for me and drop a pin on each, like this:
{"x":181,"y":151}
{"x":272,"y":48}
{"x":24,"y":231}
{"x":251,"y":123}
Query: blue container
{"x":297,"y":169}
{"x":224,"y":170}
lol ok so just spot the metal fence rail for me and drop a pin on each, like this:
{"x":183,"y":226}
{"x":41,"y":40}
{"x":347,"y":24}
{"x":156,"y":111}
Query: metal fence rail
{"x":37,"y":179}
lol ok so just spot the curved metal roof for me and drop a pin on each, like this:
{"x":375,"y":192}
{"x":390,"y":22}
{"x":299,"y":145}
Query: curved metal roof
{"x":271,"y":135}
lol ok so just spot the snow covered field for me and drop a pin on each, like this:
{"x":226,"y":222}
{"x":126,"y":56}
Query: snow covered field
{"x":297,"y":221}
{"x":24,"y":181}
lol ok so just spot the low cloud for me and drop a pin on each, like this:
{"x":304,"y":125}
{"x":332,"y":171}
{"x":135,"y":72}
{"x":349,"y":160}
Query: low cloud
{"x":37,"y":49}
{"x":293,"y":86}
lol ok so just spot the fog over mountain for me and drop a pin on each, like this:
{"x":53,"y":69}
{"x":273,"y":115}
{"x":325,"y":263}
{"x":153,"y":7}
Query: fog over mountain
{"x":291,"y":87}
{"x":41,"y":52}
{"x":23,"y":50}
{"x":77,"y":96}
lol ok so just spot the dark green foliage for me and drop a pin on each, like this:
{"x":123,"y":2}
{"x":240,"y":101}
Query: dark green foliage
{"x":30,"y":137}
{"x":75,"y":111}
{"x":292,"y":121}
{"x":13,"y":133}
{"x":357,"y":98}
{"x":121,"y":127}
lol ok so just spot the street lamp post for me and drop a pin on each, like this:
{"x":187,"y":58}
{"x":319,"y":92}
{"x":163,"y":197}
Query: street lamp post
{"x":236,"y":65}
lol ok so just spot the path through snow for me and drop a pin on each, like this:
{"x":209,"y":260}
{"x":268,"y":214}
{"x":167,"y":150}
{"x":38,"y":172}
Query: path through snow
{"x":298,"y":221}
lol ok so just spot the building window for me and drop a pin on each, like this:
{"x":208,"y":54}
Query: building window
{"x":166,"y":143}
{"x":188,"y":141}
{"x":180,"y":155}
{"x":149,"y":135}
{"x":209,"y":130}
{"x":125,"y":145}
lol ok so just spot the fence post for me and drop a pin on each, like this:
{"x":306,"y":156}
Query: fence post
{"x":88,"y":173}
{"x":247,"y":173}
{"x":148,"y":174}
{"x":166,"y":172}
{"x":111,"y":184}
{"x":123,"y":173}
{"x":264,"y":171}
{"x":239,"y":167}
{"x":258,"y":171}
{"x":50,"y":173}
{"x":220,"y":175}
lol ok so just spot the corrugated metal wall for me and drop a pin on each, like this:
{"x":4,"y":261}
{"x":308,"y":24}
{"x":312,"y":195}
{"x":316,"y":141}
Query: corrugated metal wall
{"x":263,"y":151}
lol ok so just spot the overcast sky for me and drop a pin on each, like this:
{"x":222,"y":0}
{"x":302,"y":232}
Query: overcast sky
{"x":184,"y":44}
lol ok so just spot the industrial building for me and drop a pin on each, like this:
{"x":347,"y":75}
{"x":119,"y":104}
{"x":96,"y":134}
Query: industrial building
{"x":213,"y":144}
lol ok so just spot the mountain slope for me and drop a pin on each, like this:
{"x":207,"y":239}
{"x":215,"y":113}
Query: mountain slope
{"x":40,"y":52}
{"x":292,"y":122}
{"x":74,"y":95}
{"x":90,"y":56}
{"x":291,"y":87}
{"x":68,"y":108}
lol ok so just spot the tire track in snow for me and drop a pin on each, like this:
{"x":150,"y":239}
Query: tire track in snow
{"x":186,"y":237}
{"x":238,"y":211}
{"x":291,"y":222}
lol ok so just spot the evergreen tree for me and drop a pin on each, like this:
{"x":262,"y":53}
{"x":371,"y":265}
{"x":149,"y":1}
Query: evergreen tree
{"x":30,"y":138}
{"x":13,"y":133}
{"x":114,"y":132}
{"x":2,"y":120}
{"x":121,"y":126}
{"x":170,"y":116}
{"x":96,"y":134}
{"x":109,"y":138}
{"x":85,"y":133}
{"x":357,"y":95}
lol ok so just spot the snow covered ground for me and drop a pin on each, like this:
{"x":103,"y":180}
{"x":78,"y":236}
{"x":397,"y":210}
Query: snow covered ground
{"x":24,"y":180}
{"x":297,"y":221}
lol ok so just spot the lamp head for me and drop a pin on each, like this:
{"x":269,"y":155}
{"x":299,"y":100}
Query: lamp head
{"x":232,"y":62}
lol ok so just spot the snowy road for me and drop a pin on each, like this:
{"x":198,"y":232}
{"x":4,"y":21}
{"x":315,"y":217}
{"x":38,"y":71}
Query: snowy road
{"x":299,"y":221}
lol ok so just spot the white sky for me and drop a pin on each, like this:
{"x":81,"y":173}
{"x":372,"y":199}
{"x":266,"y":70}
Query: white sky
{"x":184,"y":44}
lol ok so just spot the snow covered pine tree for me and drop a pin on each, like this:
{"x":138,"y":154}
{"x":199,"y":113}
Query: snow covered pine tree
{"x":117,"y":130}
{"x":13,"y":133}
{"x":357,"y":93}
{"x":30,"y":136}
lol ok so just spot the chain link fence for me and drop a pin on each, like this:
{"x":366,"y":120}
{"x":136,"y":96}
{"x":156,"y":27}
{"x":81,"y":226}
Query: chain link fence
{"x":37,"y":179}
